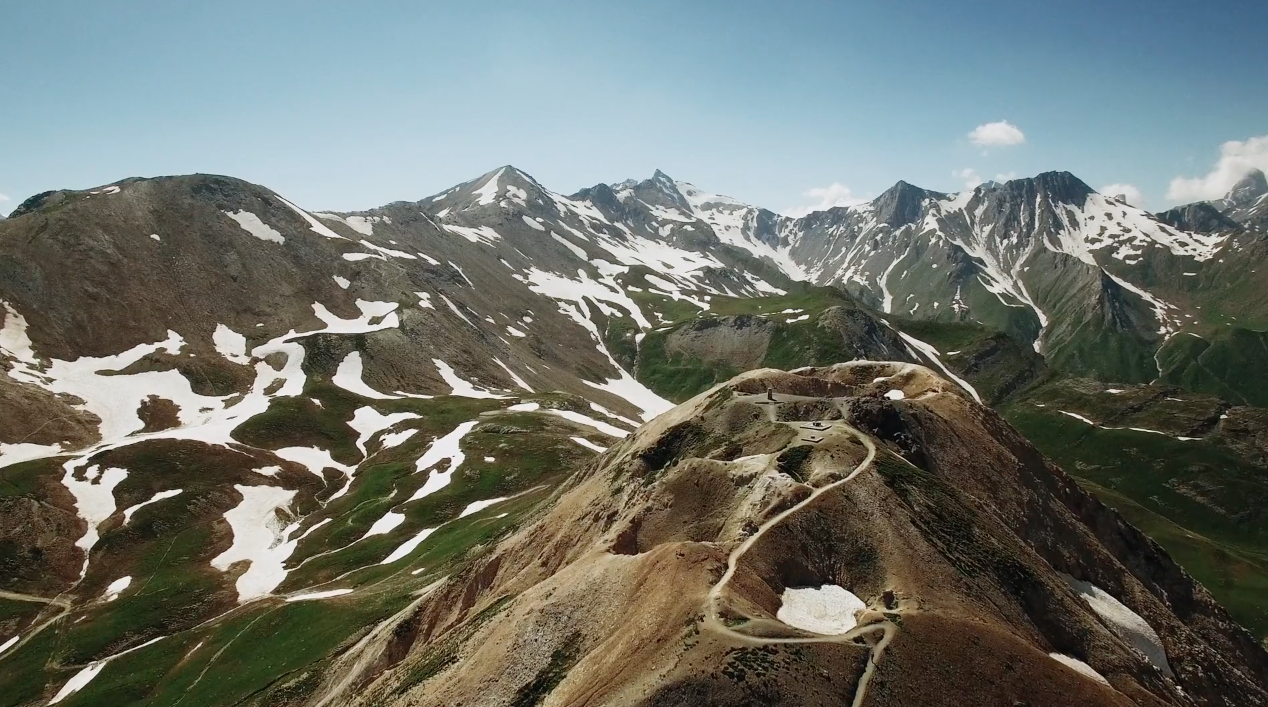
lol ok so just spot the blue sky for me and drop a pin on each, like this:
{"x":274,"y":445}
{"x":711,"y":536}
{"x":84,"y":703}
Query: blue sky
{"x":343,"y":105}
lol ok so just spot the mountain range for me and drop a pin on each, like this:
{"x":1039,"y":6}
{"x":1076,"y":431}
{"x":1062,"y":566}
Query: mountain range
{"x":642,"y":444}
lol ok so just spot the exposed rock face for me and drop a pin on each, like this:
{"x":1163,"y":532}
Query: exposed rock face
{"x":1247,"y":201}
{"x":740,"y":341}
{"x":1201,"y":217}
{"x":656,"y":576}
{"x":902,"y":204}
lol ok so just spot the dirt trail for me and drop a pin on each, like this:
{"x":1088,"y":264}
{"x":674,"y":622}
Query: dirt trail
{"x":808,"y":431}
{"x":14,"y":596}
{"x":62,"y":604}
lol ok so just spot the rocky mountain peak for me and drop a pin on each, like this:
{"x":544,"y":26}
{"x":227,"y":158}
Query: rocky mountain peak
{"x":1248,"y":189}
{"x":902,"y":204}
{"x":1200,"y":217}
{"x":219,"y":190}
{"x":1247,"y":202}
{"x":667,"y":187}
{"x":1062,"y":187}
{"x":38,"y":201}
{"x":601,"y":195}
{"x":504,"y":186}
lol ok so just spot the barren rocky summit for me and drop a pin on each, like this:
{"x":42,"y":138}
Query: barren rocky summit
{"x":661,"y":574}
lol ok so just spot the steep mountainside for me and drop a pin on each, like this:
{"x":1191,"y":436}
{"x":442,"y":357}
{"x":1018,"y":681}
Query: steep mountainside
{"x":851,"y":534}
{"x":1247,"y":201}
{"x":1098,"y":285}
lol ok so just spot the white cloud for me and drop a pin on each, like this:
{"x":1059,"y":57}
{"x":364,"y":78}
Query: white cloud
{"x":969,"y":175}
{"x":1005,"y":176}
{"x":1236,"y":159}
{"x":998,"y":134}
{"x":824,"y":198}
{"x":1133,"y":195}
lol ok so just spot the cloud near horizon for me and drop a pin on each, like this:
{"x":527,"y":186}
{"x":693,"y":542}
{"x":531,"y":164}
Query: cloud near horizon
{"x":971,"y":178}
{"x":1237,"y":159}
{"x":824,"y":198}
{"x":1128,"y":191}
{"x":998,"y":134}
{"x":968,"y":175}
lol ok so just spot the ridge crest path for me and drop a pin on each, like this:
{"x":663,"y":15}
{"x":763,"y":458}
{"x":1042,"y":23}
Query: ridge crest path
{"x":887,"y":629}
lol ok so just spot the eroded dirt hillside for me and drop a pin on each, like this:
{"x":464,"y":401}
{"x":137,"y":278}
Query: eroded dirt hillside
{"x":863,"y":534}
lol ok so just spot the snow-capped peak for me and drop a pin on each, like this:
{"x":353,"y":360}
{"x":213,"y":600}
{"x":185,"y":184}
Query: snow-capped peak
{"x":698,"y":198}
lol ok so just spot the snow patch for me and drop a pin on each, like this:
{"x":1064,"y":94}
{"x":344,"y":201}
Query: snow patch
{"x":127,"y":512}
{"x":518,"y":381}
{"x":349,"y":377}
{"x":459,"y":386}
{"x":259,"y":538}
{"x":368,"y":422}
{"x":1079,"y":667}
{"x":94,"y":502}
{"x":445,"y":448}
{"x":569,"y":245}
{"x":454,"y":308}
{"x":395,"y":439}
{"x":477,"y":506}
{"x":253,"y":225}
{"x":316,"y":460}
{"x":604,"y":411}
{"x":489,"y":191}
{"x":588,"y":444}
{"x":479,"y":234}
{"x":14,"y":342}
{"x":460,"y":272}
{"x":313,"y":224}
{"x":605,"y":428}
{"x":115,"y":588}
{"x":1123,"y":622}
{"x":78,"y":681}
{"x":312,"y":596}
{"x":407,"y":547}
{"x":932,"y":353}
{"x":389,"y":522}
{"x":230,"y":344}
{"x":25,"y":451}
{"x":829,"y":610}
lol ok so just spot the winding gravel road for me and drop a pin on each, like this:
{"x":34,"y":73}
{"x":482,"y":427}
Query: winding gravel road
{"x":875,"y":621}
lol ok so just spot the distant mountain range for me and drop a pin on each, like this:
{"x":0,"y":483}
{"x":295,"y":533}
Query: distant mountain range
{"x":335,"y":458}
